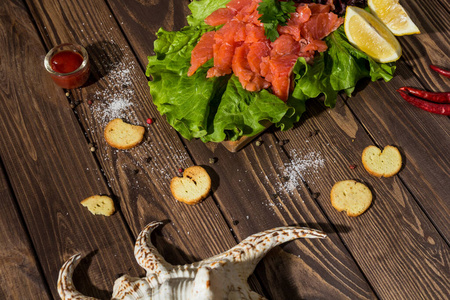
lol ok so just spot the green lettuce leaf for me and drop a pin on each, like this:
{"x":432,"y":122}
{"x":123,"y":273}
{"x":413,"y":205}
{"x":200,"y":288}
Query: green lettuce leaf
{"x":241,"y":112}
{"x":173,"y":49}
{"x":183,"y":100}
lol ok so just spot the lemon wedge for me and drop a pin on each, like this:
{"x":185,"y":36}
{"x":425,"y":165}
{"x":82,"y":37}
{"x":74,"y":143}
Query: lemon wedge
{"x":394,"y":16}
{"x":370,"y":35}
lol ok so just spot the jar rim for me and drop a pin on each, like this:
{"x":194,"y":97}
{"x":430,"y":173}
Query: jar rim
{"x":52,"y":52}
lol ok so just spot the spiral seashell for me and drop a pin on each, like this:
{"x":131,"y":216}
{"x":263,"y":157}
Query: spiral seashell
{"x":223,"y":276}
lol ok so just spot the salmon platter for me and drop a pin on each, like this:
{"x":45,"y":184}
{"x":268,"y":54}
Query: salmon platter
{"x":242,"y":64}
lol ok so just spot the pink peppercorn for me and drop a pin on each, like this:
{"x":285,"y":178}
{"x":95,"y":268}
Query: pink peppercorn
{"x":149,"y":121}
{"x":180,"y":170}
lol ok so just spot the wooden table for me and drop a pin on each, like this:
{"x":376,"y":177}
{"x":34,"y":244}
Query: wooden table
{"x":398,"y":249}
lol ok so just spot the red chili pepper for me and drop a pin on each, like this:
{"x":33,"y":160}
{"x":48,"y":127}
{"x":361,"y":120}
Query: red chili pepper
{"x":442,"y":109}
{"x":441,"y":71}
{"x":431,"y":96}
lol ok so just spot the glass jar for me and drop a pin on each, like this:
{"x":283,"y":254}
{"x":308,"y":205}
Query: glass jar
{"x":68,"y":65}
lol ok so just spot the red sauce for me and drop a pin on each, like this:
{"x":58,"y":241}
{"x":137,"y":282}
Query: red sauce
{"x":66,"y":61}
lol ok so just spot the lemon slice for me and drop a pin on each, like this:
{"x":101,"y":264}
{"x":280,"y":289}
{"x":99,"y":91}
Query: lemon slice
{"x":394,"y":16}
{"x":370,"y":35}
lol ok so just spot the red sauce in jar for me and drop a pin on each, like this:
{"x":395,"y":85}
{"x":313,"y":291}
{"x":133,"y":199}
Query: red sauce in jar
{"x":66,"y":61}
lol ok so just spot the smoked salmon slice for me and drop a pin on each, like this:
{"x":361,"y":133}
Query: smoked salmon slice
{"x":238,"y":5}
{"x":281,"y":70}
{"x":220,"y":16}
{"x":249,"y":79}
{"x":321,"y":25}
{"x":257,"y":51}
{"x":202,"y":52}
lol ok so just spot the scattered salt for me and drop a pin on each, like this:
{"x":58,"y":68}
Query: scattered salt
{"x":115,"y":100}
{"x":299,"y":165}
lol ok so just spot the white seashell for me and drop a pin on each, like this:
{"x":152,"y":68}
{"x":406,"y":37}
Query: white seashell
{"x":223,"y":276}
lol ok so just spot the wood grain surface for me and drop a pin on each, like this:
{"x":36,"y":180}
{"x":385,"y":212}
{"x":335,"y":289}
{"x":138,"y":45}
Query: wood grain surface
{"x":19,"y":268}
{"x":53,"y":155}
{"x":40,"y":138}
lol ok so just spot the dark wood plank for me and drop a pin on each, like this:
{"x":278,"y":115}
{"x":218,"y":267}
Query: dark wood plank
{"x":123,"y":164}
{"x":138,"y":177}
{"x":19,"y":268}
{"x":51,"y":169}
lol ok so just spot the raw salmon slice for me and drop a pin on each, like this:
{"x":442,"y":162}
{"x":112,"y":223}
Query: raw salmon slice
{"x":226,"y":39}
{"x":254,"y":33}
{"x":294,"y":24}
{"x":202,"y":52}
{"x":315,"y":45}
{"x":303,"y":13}
{"x":284,"y":45}
{"x":321,"y":25}
{"x":231,"y":32}
{"x":249,"y":13}
{"x":223,"y":57}
{"x":257,"y":51}
{"x":281,"y":70}
{"x":250,"y":80}
{"x":238,"y":5}
{"x":220,"y":16}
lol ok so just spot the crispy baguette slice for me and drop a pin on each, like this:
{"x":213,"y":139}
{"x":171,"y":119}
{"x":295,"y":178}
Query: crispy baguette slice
{"x":121,"y":135}
{"x":99,"y":205}
{"x":193,"y":187}
{"x":351,"y":196}
{"x":379,"y":163}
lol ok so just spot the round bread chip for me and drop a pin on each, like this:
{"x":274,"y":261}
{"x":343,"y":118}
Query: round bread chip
{"x":99,"y":205}
{"x":379,"y":163}
{"x":193,"y":187}
{"x":351,"y":196}
{"x":121,"y":135}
